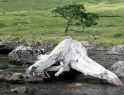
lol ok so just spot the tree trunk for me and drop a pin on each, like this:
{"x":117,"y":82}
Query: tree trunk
{"x":82,"y":22}
{"x":83,"y":26}
{"x":72,"y":54}
{"x":67,"y":25}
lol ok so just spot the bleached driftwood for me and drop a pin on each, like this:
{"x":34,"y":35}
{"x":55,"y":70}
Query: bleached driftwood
{"x":72,"y":54}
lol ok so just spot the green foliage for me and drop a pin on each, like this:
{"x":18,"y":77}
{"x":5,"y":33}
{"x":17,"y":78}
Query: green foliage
{"x":76,"y":12}
{"x":2,"y":25}
{"x":90,"y":19}
{"x":72,"y":11}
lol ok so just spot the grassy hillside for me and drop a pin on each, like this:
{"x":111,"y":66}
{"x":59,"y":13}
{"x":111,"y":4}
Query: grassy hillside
{"x":31,"y":21}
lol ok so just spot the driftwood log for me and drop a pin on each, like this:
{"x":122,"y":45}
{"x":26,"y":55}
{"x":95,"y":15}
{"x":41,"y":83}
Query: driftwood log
{"x":71,"y":54}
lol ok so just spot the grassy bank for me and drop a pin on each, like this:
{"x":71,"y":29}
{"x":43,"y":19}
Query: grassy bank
{"x":32,"y":21}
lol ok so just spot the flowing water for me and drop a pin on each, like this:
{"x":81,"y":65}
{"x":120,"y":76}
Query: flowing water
{"x":78,"y":86}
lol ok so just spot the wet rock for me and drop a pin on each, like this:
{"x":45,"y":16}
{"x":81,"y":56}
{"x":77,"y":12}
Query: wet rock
{"x":6,"y":47}
{"x":119,"y":50}
{"x":118,"y":68}
{"x":25,"y":54}
{"x":7,"y":66}
{"x":1,"y":74}
{"x":21,"y":90}
{"x":18,"y":77}
{"x":98,"y":47}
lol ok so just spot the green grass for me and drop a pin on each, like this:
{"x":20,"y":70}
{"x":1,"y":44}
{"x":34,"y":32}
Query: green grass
{"x":28,"y":21}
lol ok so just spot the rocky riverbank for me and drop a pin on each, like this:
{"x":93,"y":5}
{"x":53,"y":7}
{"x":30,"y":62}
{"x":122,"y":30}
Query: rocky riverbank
{"x":99,"y":53}
{"x":79,"y":85}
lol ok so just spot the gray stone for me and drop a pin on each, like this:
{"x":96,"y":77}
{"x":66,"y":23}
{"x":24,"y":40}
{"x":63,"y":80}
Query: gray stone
{"x":6,"y":47}
{"x":23,"y":90}
{"x":15,"y":77}
{"x":98,"y":47}
{"x":119,"y":50}
{"x":20,"y":90}
{"x":46,"y":45}
{"x":24,"y":54}
{"x":118,"y":68}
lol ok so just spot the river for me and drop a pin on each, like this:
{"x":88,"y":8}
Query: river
{"x":80,"y":85}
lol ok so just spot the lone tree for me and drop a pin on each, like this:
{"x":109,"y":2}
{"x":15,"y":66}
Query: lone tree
{"x":76,"y":12}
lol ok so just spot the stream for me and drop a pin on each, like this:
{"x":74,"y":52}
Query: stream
{"x":81,"y":85}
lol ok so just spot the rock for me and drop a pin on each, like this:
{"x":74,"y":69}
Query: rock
{"x":118,"y":68}
{"x":24,"y":54}
{"x":7,"y":67}
{"x":18,"y":77}
{"x":98,"y":47}
{"x":6,"y":47}
{"x":46,"y":46}
{"x":119,"y":50}
{"x":86,"y":44}
{"x":21,"y":90}
{"x":1,"y":74}
{"x":94,"y":37}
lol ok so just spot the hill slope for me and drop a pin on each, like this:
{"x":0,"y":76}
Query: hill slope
{"x":38,"y":5}
{"x":32,"y":21}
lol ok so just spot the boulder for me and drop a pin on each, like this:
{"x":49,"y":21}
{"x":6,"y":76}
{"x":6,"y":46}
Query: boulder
{"x":118,"y":68}
{"x":24,"y":54}
{"x":119,"y":50}
{"x":6,"y":47}
{"x":20,"y":90}
{"x":18,"y":77}
{"x":46,"y":45}
{"x":98,"y":47}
